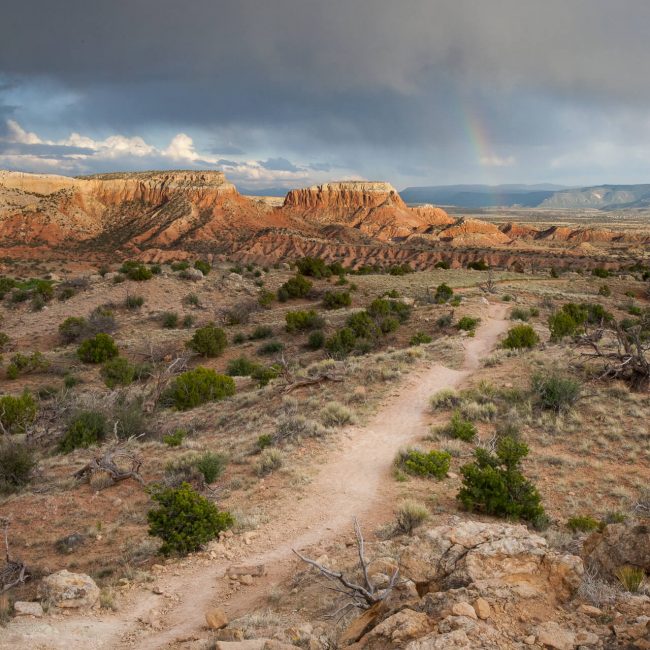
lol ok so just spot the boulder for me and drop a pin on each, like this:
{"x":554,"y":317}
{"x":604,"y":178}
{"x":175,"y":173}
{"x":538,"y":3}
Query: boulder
{"x":406,"y":625}
{"x":489,"y":554}
{"x":482,"y":608}
{"x":68,"y":590}
{"x":456,"y":640}
{"x":617,"y":545}
{"x":216,"y":618}
{"x":360,"y":625}
{"x":464,"y":609}
{"x":551,"y":635}
{"x":193,"y":274}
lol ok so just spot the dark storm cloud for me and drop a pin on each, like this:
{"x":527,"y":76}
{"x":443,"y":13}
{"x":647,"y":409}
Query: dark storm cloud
{"x":374,"y":85}
{"x":279,"y":164}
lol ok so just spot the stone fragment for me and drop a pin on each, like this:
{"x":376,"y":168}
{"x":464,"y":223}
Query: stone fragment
{"x":482,"y":608}
{"x":463,"y":609}
{"x":551,"y":635}
{"x":24,"y":608}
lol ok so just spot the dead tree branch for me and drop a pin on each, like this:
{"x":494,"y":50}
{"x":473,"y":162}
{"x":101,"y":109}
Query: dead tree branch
{"x":14,"y":572}
{"x":622,"y":353}
{"x":361,"y":596}
{"x":112,"y":462}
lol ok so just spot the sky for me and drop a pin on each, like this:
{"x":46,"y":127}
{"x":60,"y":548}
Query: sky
{"x":287,"y":93}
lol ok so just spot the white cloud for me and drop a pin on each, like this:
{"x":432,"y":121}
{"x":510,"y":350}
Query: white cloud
{"x":86,"y":154}
{"x":497,"y":161}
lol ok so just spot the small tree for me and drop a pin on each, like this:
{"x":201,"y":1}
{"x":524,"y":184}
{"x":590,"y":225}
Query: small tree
{"x":185,"y":520}
{"x":494,"y":484}
{"x":198,"y":386}
{"x":16,"y":465}
{"x":98,"y":349}
{"x":443,"y":294}
{"x":17,"y":412}
{"x":520,"y":337}
{"x":86,"y":429}
{"x":208,"y":341}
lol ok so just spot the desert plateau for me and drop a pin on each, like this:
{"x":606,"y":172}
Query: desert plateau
{"x":324,"y":325}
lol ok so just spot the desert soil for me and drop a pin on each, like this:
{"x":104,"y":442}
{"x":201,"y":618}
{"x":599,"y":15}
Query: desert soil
{"x":354,"y":480}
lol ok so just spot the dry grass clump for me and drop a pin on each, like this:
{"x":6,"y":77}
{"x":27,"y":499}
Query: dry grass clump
{"x":410,"y":515}
{"x":269,"y":461}
{"x":336,"y":414}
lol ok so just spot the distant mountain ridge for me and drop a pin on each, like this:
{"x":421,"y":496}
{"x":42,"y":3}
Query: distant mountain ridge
{"x":545,"y":195}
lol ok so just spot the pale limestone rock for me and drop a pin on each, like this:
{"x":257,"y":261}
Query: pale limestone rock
{"x":464,"y":609}
{"x":23,"y":608}
{"x":551,"y":635}
{"x":482,"y":608}
{"x":69,"y":590}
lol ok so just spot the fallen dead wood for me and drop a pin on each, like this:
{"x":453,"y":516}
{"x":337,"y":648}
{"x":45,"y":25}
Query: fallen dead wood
{"x":112,"y":462}
{"x":301,"y":383}
{"x":14,"y":572}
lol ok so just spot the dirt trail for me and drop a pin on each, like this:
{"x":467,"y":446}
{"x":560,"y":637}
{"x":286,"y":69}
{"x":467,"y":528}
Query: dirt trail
{"x":353,"y":482}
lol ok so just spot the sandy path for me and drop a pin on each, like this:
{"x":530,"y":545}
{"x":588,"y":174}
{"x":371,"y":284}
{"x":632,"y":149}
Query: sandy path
{"x":355,"y":481}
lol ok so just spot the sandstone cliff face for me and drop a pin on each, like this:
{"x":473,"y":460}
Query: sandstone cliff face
{"x":373,"y":208}
{"x":163,"y":214}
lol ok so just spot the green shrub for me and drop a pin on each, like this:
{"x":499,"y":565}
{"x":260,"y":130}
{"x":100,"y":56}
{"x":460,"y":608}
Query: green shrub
{"x":73,"y":328}
{"x":25,"y":363}
{"x":169,"y":320}
{"x":261,"y":332}
{"x":316,"y":340}
{"x":600,"y":273}
{"x":430,"y":464}
{"x":192,"y":300}
{"x":631,"y":577}
{"x":362,"y":325}
{"x":4,"y":340}
{"x":180,"y":266}
{"x":98,"y":349}
{"x":270,"y":348}
{"x":460,"y":428}
{"x":16,"y":413}
{"x":420,"y":338}
{"x":400,"y":269}
{"x":238,"y":339}
{"x":445,"y":321}
{"x":519,"y":313}
{"x":314,"y":267}
{"x":196,"y":387}
{"x":208,"y":341}
{"x":264,"y":441}
{"x":118,"y":372}
{"x":265,"y":298}
{"x":562,"y":324}
{"x":156,"y":269}
{"x":479,"y":265}
{"x":296,"y":287}
{"x":175,"y":439}
{"x":443,"y":294}
{"x":410,"y":515}
{"x":582,"y":524}
{"x":442,"y":264}
{"x":336,"y":299}
{"x":136,"y":271}
{"x":494,"y":484}
{"x":240,"y":367}
{"x":554,"y":391}
{"x":202,"y":266}
{"x":381,"y":308}
{"x":604,"y":290}
{"x":16,"y":465}
{"x":303,"y":320}
{"x":519,"y":337}
{"x":185,"y":520}
{"x":467,"y":323}
{"x":129,"y":420}
{"x":263,"y":375}
{"x":87,"y":428}
{"x":341,"y":343}
{"x":133,"y":302}
{"x":211,"y":465}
